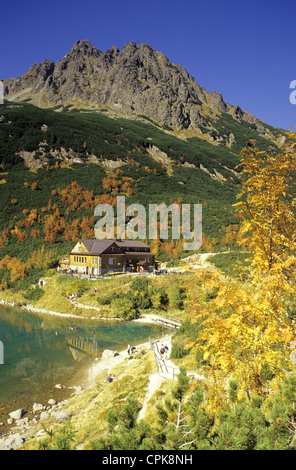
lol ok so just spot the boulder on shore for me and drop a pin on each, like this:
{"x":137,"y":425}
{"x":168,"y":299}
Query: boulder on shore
{"x":37,"y":407}
{"x":13,"y":442}
{"x":109,"y":354}
{"x":17,"y":414}
{"x":61,"y":415}
{"x":52,"y":401}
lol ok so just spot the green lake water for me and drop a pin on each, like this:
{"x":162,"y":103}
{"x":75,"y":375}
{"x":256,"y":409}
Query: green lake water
{"x":42,"y":351}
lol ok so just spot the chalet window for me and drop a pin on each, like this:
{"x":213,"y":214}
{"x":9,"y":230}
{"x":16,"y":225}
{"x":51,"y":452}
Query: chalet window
{"x":111,"y":261}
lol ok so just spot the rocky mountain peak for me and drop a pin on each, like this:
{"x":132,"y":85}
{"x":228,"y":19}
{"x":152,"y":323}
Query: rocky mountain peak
{"x":138,"y":80}
{"x":130,"y":46}
{"x":85,"y":49}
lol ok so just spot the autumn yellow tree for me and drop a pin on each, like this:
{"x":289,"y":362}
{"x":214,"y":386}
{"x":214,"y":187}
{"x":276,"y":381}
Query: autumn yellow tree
{"x":248,"y":330}
{"x":267,"y":207}
{"x":4,"y":236}
{"x":17,"y":268}
{"x":41,"y":258}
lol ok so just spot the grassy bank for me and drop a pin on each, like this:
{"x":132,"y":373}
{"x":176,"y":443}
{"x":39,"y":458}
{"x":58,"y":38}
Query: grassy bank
{"x":117,"y":297}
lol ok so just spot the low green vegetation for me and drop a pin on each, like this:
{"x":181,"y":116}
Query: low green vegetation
{"x":178,"y":419}
{"x":229,"y":262}
{"x":144,"y":295}
{"x":184,"y":423}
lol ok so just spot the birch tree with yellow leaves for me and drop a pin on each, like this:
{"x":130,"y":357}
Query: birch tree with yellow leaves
{"x":248,"y":330}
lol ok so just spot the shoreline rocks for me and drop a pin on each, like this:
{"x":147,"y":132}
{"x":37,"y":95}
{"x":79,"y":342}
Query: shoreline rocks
{"x":25,"y":427}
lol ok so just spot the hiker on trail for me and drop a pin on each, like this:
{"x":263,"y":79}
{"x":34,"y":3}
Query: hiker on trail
{"x":162,"y":351}
{"x":166,"y":350}
{"x":133,"y":349}
{"x":109,"y":378}
{"x":129,"y":349}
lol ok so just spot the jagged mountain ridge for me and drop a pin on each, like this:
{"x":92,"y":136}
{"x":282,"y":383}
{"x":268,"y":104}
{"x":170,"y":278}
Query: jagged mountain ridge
{"x":135,"y":81}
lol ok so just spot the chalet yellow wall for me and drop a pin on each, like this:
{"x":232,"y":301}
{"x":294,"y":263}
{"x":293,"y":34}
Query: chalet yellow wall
{"x":87,"y":260}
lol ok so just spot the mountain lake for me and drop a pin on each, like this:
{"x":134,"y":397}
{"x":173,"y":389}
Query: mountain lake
{"x":42,"y":351}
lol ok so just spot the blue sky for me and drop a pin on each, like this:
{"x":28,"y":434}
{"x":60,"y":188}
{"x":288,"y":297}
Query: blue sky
{"x":245,"y":50}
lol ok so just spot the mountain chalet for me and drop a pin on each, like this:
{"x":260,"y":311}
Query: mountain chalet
{"x":97,"y":257}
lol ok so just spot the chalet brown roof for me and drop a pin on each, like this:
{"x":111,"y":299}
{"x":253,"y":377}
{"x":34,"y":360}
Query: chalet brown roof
{"x":97,"y":247}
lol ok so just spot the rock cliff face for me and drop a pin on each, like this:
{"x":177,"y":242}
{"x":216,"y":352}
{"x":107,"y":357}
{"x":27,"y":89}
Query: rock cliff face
{"x":135,"y":81}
